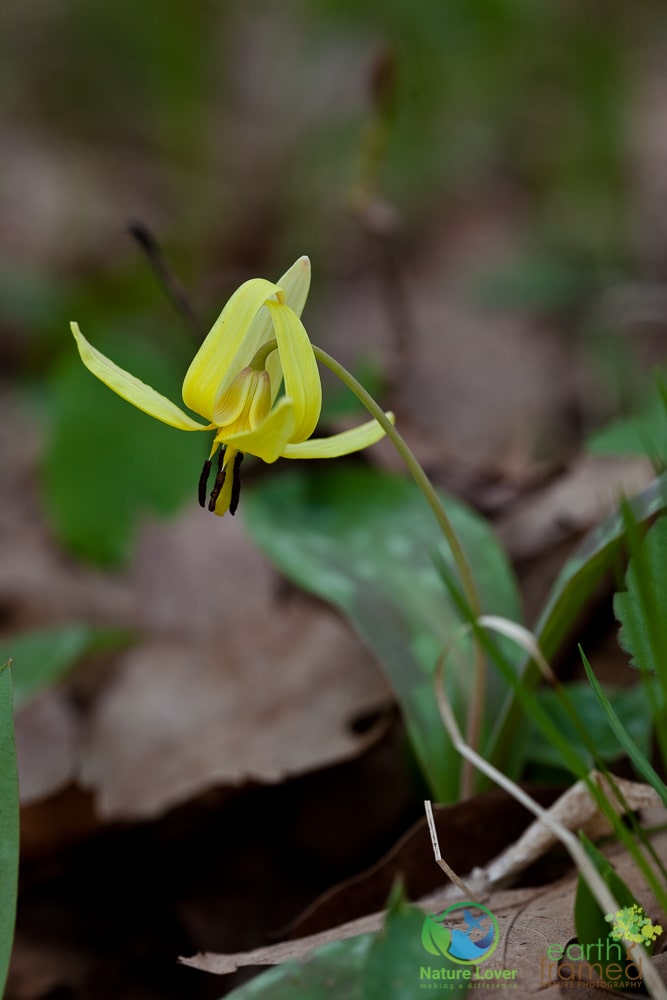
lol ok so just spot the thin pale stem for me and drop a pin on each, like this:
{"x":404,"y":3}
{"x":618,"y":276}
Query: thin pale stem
{"x":476,"y":705}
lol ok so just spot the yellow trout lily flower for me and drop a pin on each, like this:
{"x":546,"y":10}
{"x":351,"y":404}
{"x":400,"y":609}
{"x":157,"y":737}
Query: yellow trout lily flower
{"x":257,"y":345}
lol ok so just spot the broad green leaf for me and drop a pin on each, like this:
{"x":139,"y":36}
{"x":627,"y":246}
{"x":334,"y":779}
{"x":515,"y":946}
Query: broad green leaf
{"x":644,"y":433}
{"x":641,"y":608}
{"x":9,"y":824}
{"x":640,"y":435}
{"x":42,"y":656}
{"x":332,"y":973}
{"x":366,"y":541}
{"x":631,"y":708}
{"x":108,"y":464}
{"x":593,"y":560}
{"x":392,"y":967}
{"x":382,"y":966}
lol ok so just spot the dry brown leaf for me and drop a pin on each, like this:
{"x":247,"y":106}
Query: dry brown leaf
{"x":529,"y":918}
{"x":229,"y":684}
{"x":178,"y":718}
{"x":572,"y":504}
{"x":46,"y":745}
{"x":234,"y":687}
{"x":471,"y":832}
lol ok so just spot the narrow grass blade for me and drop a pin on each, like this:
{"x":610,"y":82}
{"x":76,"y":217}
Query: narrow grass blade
{"x":643,"y":766}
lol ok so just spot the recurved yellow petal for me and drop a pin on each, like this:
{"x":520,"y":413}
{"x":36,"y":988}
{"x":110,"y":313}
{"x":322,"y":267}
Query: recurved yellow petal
{"x":228,"y":347}
{"x":338,"y":444}
{"x":302,"y":379}
{"x":131,"y":388}
{"x":295,"y":283}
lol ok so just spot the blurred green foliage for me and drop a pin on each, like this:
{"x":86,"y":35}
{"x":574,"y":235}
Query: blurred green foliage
{"x":108,"y":464}
{"x":40,"y":657}
{"x":643,"y":433}
{"x":532,"y":90}
{"x":239,"y":132}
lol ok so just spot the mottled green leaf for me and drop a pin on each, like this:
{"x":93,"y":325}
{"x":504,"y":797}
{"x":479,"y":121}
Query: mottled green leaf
{"x":366,"y":541}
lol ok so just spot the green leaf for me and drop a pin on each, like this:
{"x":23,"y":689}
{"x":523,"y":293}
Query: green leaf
{"x":644,"y":433}
{"x":590,"y":922}
{"x":383,"y":966}
{"x":631,"y":709}
{"x":332,"y":973}
{"x":640,"y":609}
{"x":391,"y":970}
{"x":42,"y":656}
{"x":9,"y":824}
{"x":641,"y":435}
{"x":573,"y":588}
{"x":108,"y":464}
{"x":435,"y":937}
{"x":639,"y":759}
{"x":366,"y":541}
{"x":594,"y":558}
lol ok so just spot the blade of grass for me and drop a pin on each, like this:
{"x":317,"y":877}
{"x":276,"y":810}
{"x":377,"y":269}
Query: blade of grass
{"x":642,"y":765}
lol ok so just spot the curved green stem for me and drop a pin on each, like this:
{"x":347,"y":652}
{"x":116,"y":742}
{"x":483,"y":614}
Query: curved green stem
{"x":476,"y":705}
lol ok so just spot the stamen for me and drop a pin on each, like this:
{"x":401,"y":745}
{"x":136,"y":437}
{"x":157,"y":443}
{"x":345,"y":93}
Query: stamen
{"x":203,"y":482}
{"x":219,"y":481}
{"x":236,"y":484}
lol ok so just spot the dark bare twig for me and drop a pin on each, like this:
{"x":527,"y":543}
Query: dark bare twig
{"x":166,"y":277}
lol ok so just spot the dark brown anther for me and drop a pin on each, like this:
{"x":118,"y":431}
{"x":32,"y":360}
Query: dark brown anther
{"x":219,"y":481}
{"x":203,"y":482}
{"x":236,"y":484}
